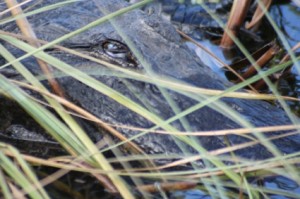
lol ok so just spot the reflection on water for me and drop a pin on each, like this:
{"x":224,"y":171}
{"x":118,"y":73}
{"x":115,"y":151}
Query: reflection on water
{"x":287,"y":18}
{"x":206,"y":58}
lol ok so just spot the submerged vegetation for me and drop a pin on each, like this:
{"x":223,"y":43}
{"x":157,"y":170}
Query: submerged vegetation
{"x":119,"y":166}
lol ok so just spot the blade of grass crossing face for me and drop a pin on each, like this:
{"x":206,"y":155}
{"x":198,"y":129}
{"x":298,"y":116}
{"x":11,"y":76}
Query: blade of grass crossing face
{"x":29,"y":77}
{"x":28,"y":172}
{"x":44,"y":118}
{"x":10,"y":168}
{"x":4,"y":186}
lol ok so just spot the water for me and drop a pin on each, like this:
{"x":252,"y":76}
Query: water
{"x":287,"y":17}
{"x":206,"y":57}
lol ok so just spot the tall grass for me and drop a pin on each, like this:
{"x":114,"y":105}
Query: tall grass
{"x":217,"y":179}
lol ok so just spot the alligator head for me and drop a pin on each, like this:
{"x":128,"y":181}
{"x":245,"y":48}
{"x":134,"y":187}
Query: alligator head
{"x":156,"y":49}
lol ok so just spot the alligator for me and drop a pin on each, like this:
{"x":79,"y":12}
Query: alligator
{"x":145,"y":43}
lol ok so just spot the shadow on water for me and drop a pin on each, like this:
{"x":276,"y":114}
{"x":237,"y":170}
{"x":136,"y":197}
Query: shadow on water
{"x":287,"y":16}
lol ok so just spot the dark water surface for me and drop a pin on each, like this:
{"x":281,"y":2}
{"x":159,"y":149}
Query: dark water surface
{"x":287,"y":17}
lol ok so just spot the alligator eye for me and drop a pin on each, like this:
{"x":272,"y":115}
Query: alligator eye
{"x":115,"y":49}
{"x":118,"y":53}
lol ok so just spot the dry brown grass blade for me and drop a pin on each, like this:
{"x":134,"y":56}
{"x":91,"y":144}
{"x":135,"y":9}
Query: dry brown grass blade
{"x":258,"y":14}
{"x":245,"y":170}
{"x":232,"y":131}
{"x":262,"y":61}
{"x":17,"y":193}
{"x":54,"y":162}
{"x":222,"y":151}
{"x":60,"y":173}
{"x":214,"y":153}
{"x":171,"y":186}
{"x":244,"y":62}
{"x":64,"y":188}
{"x":64,"y":169}
{"x":70,"y":165}
{"x":236,"y":19}
{"x":18,"y":5}
{"x":261,"y":84}
{"x":215,"y":57}
{"x":27,"y":30}
{"x":101,"y":178}
{"x":52,"y":178}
